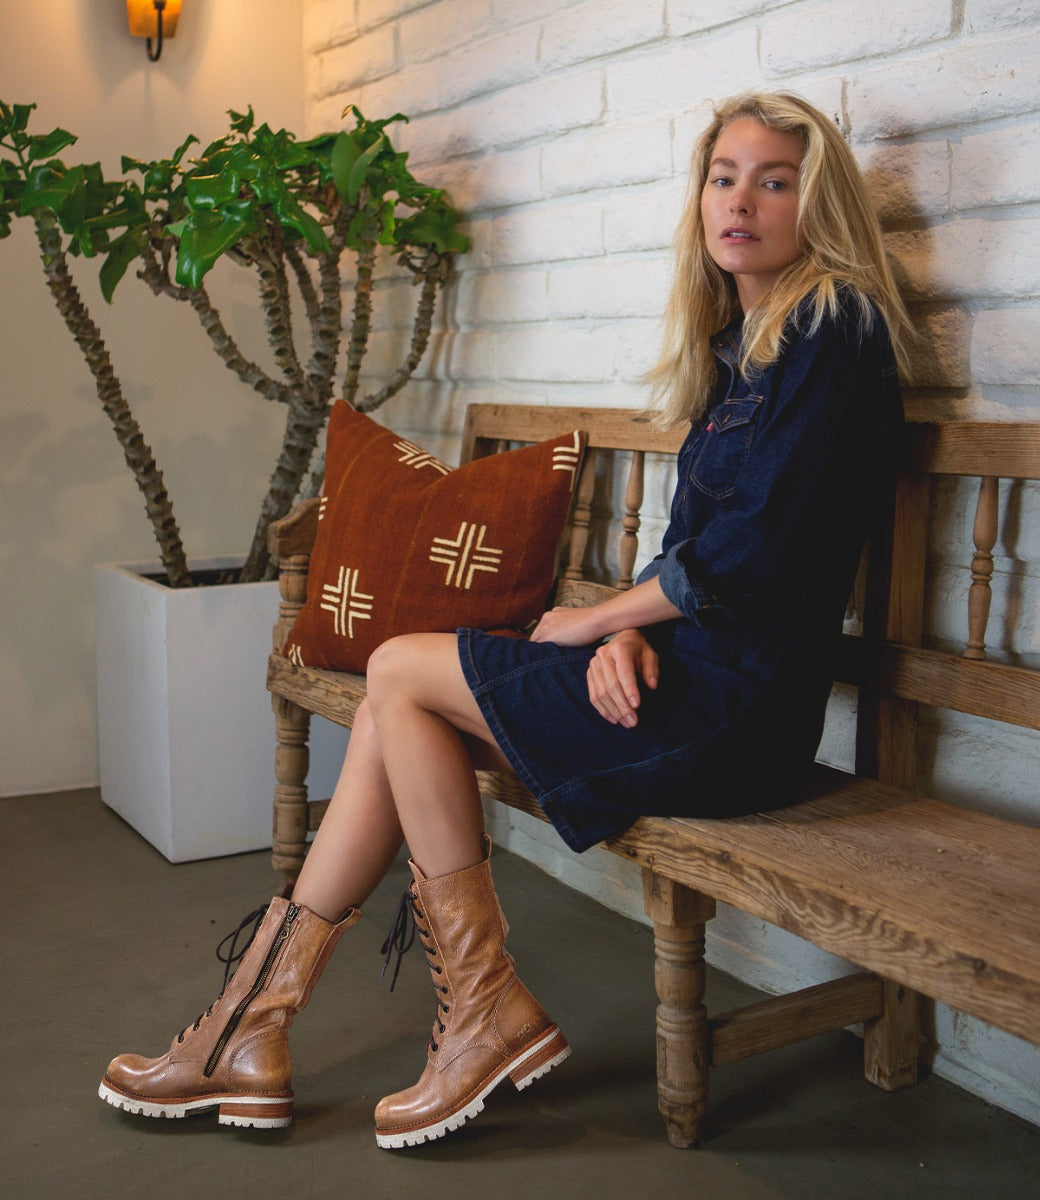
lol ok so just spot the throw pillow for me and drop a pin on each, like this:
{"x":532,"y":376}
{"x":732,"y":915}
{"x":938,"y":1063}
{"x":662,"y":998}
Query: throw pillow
{"x":406,"y":544}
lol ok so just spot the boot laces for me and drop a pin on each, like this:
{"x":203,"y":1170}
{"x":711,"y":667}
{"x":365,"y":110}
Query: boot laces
{"x":231,"y":958}
{"x":400,"y":938}
{"x":407,"y":920}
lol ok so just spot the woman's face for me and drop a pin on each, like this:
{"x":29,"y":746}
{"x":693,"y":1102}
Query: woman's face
{"x":749,"y":205}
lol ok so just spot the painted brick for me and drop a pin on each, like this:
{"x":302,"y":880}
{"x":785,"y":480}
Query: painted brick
{"x":489,"y":66}
{"x":949,"y":86}
{"x":603,"y":27}
{"x":608,"y":288}
{"x":566,"y":350}
{"x":907,"y":182}
{"x":548,"y":233}
{"x":1004,"y":346}
{"x":637,"y":344}
{"x":322,"y":114}
{"x":375,"y":12}
{"x":608,"y":158}
{"x":528,"y":113}
{"x":344,"y":68}
{"x":642,"y":218}
{"x":481,"y":234}
{"x":696,"y":16}
{"x":680,"y":77}
{"x":980,"y":15}
{"x":511,"y":13}
{"x":966,"y":258}
{"x":494,"y":181}
{"x":997,"y":167}
{"x":440,"y":30}
{"x":472,"y":354}
{"x":327,"y":22}
{"x":502,"y":297}
{"x":410,"y":92}
{"x":802,"y":36}
{"x":940,"y":358}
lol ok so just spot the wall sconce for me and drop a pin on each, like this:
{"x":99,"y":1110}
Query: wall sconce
{"x":153,"y":19}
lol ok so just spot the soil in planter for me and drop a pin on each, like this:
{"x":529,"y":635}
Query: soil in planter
{"x":213,"y":577}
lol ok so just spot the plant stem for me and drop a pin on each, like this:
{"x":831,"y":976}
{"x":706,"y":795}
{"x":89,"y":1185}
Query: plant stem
{"x":213,"y":326}
{"x":420,"y":339}
{"x":302,"y":427}
{"x":361,"y":321}
{"x":137,"y":452}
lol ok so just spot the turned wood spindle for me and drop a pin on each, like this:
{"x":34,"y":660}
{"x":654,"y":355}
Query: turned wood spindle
{"x":630,"y":523}
{"x":980,"y":593}
{"x":582,"y":517}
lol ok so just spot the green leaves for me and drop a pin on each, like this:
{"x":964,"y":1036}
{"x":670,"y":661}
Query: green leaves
{"x":350,"y":162}
{"x":87,"y":206}
{"x":254,"y":183}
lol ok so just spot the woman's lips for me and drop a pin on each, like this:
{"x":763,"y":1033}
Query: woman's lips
{"x":738,"y":235}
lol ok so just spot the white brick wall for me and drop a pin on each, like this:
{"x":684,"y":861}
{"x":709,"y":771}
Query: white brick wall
{"x":563,"y":127}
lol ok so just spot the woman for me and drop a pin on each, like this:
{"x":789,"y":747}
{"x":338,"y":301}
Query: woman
{"x":707,"y":697}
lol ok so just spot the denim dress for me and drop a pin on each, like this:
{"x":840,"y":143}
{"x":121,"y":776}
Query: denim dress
{"x":777,"y":489}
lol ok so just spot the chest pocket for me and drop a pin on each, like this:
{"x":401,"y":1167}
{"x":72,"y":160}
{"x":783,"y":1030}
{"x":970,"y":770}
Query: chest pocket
{"x":724,"y":446}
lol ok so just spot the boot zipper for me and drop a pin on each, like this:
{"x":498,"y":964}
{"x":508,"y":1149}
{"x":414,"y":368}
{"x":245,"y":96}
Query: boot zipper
{"x":253,"y":992}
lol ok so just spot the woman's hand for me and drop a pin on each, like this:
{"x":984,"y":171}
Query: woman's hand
{"x":614,"y":675}
{"x":567,"y":627}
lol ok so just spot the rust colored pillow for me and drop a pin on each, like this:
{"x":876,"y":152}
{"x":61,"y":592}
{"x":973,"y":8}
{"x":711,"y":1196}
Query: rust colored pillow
{"x":408,"y":545}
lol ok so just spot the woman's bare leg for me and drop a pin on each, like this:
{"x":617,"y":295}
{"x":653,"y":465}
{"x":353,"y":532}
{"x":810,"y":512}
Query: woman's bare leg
{"x":360,"y":834}
{"x":408,"y":774}
{"x":432,"y":735}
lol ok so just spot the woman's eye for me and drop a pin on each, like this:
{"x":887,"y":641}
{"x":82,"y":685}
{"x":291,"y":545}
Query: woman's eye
{"x":775,"y":185}
{"x":721,"y":181}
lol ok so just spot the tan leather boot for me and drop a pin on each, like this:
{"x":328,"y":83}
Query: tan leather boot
{"x":488,"y":1024}
{"x":235,"y":1057}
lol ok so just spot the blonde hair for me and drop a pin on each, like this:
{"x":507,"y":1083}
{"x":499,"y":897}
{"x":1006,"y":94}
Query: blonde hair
{"x":843,"y":254}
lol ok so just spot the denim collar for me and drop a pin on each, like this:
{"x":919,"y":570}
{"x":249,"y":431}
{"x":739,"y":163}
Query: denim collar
{"x":726,"y":343}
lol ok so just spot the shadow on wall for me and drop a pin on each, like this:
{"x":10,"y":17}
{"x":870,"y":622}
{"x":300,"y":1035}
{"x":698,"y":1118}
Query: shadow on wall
{"x":115,"y":56}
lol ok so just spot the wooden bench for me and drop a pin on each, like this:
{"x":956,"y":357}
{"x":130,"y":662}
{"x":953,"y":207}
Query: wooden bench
{"x":925,"y":897}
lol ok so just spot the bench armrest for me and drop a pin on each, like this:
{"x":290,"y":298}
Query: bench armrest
{"x":294,"y":534}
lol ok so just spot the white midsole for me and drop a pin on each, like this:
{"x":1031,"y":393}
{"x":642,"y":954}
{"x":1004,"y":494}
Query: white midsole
{"x":414,"y":1137}
{"x":181,"y":1108}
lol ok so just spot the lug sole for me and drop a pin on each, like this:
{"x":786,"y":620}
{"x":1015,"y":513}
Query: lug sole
{"x":251,"y":1112}
{"x":531,"y":1064}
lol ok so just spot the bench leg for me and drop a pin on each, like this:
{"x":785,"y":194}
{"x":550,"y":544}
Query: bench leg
{"x":683,"y":1053}
{"x":291,"y":761}
{"x":891,"y":1041}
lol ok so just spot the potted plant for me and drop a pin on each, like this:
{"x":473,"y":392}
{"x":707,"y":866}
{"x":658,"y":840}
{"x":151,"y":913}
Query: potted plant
{"x":316,"y":221}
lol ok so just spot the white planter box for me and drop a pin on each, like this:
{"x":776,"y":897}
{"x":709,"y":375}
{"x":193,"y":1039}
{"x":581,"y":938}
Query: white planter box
{"x":185,"y":727}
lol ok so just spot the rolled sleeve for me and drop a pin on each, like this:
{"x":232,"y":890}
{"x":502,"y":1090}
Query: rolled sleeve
{"x":682,"y":588}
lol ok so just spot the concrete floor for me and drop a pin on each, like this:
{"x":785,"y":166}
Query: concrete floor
{"x":107,"y":947}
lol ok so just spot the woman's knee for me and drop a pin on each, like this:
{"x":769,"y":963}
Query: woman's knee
{"x":392,"y":667}
{"x":421,"y":668}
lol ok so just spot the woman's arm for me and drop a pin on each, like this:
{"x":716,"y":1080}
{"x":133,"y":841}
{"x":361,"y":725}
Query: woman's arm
{"x":618,"y":666}
{"x":645,"y":604}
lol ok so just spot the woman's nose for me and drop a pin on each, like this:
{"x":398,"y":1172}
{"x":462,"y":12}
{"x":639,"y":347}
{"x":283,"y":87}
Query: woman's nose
{"x":739,"y":200}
